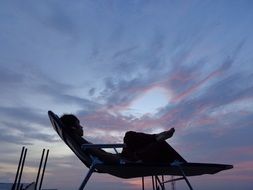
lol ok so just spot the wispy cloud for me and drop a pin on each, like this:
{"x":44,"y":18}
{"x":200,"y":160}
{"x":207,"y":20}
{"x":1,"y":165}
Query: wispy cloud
{"x":96,"y":64}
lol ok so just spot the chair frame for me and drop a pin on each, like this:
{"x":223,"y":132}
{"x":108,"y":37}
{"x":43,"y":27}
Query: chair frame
{"x":126,"y":169}
{"x":155,"y":179}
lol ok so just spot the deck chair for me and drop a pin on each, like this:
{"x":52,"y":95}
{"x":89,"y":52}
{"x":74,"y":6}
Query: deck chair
{"x":125,"y":169}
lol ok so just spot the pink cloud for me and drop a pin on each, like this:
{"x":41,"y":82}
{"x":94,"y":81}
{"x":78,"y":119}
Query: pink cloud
{"x":242,"y":171}
{"x":246,"y":151}
{"x":192,"y":89}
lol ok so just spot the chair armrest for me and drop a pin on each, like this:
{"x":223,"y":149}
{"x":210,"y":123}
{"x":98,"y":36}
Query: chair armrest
{"x":114,"y":146}
{"x":84,"y":146}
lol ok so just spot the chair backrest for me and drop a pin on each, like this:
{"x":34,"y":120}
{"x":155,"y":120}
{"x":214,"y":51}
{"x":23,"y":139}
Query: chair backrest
{"x":72,"y":144}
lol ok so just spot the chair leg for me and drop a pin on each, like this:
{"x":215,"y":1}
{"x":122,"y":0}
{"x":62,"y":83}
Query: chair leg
{"x":87,"y":177}
{"x":185,"y":178}
{"x":160,"y":183}
{"x":142,"y":180}
{"x":153,"y":183}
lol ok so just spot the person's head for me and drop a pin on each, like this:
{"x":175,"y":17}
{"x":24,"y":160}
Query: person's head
{"x":72,"y":123}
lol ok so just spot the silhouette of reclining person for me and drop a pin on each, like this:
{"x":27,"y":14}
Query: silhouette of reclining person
{"x":148,"y":148}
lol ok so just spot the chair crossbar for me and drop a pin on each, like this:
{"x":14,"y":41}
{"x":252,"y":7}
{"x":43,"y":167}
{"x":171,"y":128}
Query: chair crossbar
{"x":172,"y":180}
{"x":112,"y":146}
{"x":160,"y":182}
{"x":84,"y":146}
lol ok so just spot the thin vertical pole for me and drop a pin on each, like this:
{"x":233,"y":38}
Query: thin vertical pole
{"x":160,"y":183}
{"x":153,"y":183}
{"x":173,"y":183}
{"x":142,"y":179}
{"x":156,"y":183}
{"x":38,"y":175}
{"x":163,"y":185}
{"x":21,"y":169}
{"x":17,"y":173}
{"x":43,"y":171}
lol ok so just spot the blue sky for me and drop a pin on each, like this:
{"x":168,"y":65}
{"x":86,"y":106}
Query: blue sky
{"x":127,"y":65}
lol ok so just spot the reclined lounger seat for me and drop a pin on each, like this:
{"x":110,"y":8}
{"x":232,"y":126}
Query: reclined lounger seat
{"x":132,"y":169}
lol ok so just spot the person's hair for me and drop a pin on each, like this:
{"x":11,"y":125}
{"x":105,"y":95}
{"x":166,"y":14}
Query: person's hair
{"x":68,"y":120}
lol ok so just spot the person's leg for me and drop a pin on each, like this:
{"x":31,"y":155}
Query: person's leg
{"x":135,"y":141}
{"x":138,"y":140}
{"x":160,"y":152}
{"x":165,"y":135}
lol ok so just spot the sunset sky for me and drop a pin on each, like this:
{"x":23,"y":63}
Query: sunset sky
{"x":127,"y":65}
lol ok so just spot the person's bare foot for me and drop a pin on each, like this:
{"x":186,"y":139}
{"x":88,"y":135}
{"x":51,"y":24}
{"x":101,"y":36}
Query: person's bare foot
{"x":165,"y":135}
